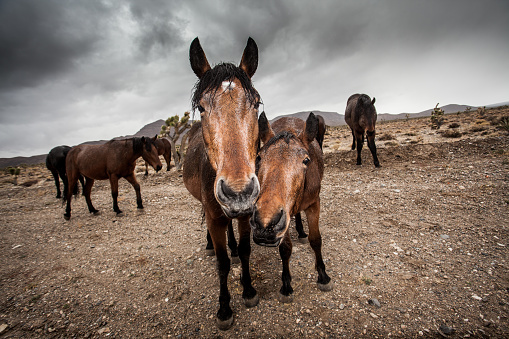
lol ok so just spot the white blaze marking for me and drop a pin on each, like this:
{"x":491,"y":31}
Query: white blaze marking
{"x":227,"y":85}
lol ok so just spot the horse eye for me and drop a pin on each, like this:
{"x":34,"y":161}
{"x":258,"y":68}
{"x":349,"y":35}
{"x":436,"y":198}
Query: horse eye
{"x":257,"y":105}
{"x":201,"y":109}
{"x":306,"y":161}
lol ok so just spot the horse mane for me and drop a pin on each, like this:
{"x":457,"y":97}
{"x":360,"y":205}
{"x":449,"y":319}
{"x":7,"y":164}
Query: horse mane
{"x":364,"y":100}
{"x":213,"y":78}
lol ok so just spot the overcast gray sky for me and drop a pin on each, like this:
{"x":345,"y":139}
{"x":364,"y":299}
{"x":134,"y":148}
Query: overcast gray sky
{"x":72,"y":71}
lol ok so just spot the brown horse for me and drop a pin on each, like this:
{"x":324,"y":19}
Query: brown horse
{"x":360,"y":115}
{"x":163,"y":147}
{"x":219,"y":168}
{"x":113,"y":160}
{"x":320,"y":134}
{"x":290,"y":170}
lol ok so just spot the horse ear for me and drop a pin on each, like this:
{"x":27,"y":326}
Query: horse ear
{"x":311,"y":130}
{"x":154,"y":138}
{"x":249,"y":62}
{"x":266,"y":132}
{"x":373,"y":101}
{"x":143,"y":140}
{"x":199,"y":62}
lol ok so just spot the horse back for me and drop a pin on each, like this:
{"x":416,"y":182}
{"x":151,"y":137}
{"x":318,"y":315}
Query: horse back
{"x":89,"y":160}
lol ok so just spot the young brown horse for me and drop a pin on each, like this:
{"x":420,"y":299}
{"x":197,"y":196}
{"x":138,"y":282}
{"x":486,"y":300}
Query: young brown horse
{"x":360,"y":115}
{"x":163,"y":148}
{"x":55,"y":162}
{"x":290,"y":170}
{"x":219,"y":168}
{"x":113,"y":160}
{"x":320,"y":134}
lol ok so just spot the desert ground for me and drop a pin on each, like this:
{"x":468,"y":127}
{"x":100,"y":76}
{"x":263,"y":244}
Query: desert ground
{"x":416,"y":248}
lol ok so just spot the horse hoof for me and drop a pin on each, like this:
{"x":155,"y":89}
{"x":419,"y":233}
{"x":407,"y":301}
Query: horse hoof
{"x":210,"y":252}
{"x":67,"y":217}
{"x":252,"y":302}
{"x":235,"y":259}
{"x":326,"y":287}
{"x":303,"y":240}
{"x":120,"y":214}
{"x":285,"y":299}
{"x":224,"y":325}
{"x":96,"y":213}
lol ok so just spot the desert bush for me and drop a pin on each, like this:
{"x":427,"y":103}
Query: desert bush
{"x":386,"y":136}
{"x":411,"y":134}
{"x":454,"y":125}
{"x":504,"y":124}
{"x":451,"y":133}
{"x":477,"y":129}
{"x":391,"y":143}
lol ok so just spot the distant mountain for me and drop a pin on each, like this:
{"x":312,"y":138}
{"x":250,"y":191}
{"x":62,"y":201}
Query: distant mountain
{"x":331,"y":119}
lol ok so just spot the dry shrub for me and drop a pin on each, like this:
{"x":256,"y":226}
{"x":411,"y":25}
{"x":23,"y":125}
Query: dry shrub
{"x":386,"y":136}
{"x":451,"y":133}
{"x":477,"y":129}
{"x":391,"y":143}
{"x":454,"y":125}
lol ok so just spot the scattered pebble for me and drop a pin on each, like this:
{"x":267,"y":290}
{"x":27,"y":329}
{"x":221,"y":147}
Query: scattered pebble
{"x":374,"y":302}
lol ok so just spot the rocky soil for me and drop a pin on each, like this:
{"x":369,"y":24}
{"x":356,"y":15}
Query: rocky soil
{"x":416,"y":248}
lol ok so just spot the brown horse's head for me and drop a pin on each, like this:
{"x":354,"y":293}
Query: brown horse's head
{"x":149,"y":152}
{"x":281,"y":165}
{"x":228,"y":103}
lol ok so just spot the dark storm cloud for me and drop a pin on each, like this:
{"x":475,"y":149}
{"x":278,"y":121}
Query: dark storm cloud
{"x":40,"y":39}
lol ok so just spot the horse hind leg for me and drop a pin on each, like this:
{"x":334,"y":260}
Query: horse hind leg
{"x":232,"y":244}
{"x":372,"y":147}
{"x":303,"y":237}
{"x":57,"y":184}
{"x":353,"y":142}
{"x":315,"y":240}
{"x":87,"y":190}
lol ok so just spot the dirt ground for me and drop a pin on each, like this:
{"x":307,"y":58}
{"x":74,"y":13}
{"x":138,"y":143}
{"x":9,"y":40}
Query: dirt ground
{"x":416,"y":248}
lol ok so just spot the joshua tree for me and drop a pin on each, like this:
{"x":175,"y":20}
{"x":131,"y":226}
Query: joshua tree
{"x":437,"y":117}
{"x":173,"y":129}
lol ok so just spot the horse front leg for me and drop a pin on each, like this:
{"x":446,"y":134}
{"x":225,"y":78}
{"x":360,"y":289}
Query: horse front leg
{"x":114,"y":193}
{"x":372,"y":147}
{"x":249,"y":294}
{"x":132,"y":180}
{"x":285,"y":251}
{"x":217,"y":230}
{"x":71,"y":181}
{"x":87,"y":192}
{"x":360,"y":143}
{"x":315,"y":240}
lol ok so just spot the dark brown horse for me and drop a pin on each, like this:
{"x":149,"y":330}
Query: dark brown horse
{"x":163,"y":148}
{"x":290,"y":170}
{"x":113,"y":160}
{"x":219,"y":168}
{"x":55,"y":162}
{"x":360,"y":115}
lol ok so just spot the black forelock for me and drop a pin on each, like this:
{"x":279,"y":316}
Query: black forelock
{"x":285,"y":135}
{"x":213,"y":79}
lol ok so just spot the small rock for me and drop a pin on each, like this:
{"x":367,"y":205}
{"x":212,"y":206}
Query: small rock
{"x":374,"y":302}
{"x":373,"y":315}
{"x":444,"y":236}
{"x":356,"y":192}
{"x":3,"y":327}
{"x":103,"y":330}
{"x":476,"y":297}
{"x":444,"y":329}
{"x":396,"y":190}
{"x":341,"y":306}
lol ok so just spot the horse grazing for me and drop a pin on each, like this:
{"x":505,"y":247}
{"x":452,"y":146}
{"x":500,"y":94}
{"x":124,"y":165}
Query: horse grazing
{"x":290,"y":170}
{"x":55,"y":162}
{"x":163,"y":147}
{"x":219,"y":167}
{"x":113,"y":160}
{"x":360,"y":115}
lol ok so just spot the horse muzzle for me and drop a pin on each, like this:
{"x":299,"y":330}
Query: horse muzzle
{"x":237,"y":203}
{"x":269,"y":235}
